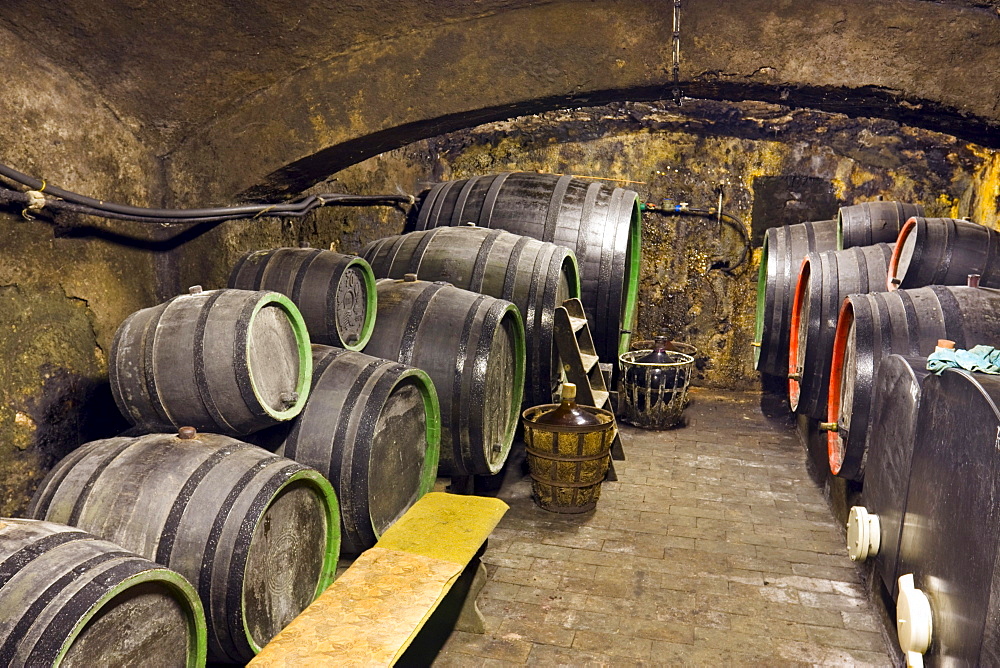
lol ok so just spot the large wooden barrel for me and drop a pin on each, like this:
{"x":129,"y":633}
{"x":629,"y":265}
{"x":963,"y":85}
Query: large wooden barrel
{"x":70,"y":599}
{"x":944,"y":251}
{"x":226,"y":361}
{"x":886,"y":465}
{"x":824,"y":281}
{"x":871,"y":223}
{"x":535,"y":275}
{"x":907,"y":322}
{"x":257,"y":534}
{"x":335,"y":293}
{"x":472,"y":347}
{"x":950,"y":532}
{"x":373,"y":428}
{"x":602,"y":225}
{"x":780,"y":261}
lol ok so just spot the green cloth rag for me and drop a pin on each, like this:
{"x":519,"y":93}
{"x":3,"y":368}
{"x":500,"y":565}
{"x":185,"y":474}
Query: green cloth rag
{"x":984,"y":359}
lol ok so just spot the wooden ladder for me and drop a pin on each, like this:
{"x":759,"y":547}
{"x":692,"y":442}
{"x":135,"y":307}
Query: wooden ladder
{"x":582,"y":367}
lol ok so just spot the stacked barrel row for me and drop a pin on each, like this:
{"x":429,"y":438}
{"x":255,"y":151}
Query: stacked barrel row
{"x":861,"y":323}
{"x":221,"y":541}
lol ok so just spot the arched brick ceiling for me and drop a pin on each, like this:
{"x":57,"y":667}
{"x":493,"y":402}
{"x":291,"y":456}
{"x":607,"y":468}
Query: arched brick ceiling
{"x":260,"y":98}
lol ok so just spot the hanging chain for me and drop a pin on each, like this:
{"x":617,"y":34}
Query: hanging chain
{"x":677,"y":52}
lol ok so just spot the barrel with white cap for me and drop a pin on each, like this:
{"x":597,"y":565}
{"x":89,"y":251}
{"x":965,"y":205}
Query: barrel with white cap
{"x":875,"y":525}
{"x":950,"y":544}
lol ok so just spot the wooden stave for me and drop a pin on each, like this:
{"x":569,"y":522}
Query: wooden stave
{"x":215,"y":470}
{"x":309,"y":277}
{"x":175,"y":335}
{"x":608,"y":255}
{"x":76,"y":576}
{"x":397,"y":331}
{"x":425,"y":253}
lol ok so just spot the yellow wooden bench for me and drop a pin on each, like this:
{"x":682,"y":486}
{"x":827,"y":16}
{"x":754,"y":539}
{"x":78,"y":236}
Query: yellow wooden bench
{"x":374,"y":610}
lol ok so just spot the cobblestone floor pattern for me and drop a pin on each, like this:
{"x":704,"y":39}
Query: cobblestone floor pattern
{"x":713,"y":548}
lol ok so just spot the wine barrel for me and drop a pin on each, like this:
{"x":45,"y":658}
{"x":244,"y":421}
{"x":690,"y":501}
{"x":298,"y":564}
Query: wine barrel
{"x":472,"y":347}
{"x":602,"y":225}
{"x":944,"y":251}
{"x":886,"y":465}
{"x":824,"y":281}
{"x":907,"y":322}
{"x":226,"y":361}
{"x":950,"y":531}
{"x":257,"y":534}
{"x":373,"y":428}
{"x":335,"y":293}
{"x":535,"y":275}
{"x":780,"y":261}
{"x":70,"y":599}
{"x":871,"y":223}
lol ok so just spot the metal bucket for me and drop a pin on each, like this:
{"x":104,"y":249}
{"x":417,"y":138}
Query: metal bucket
{"x":567,"y":463}
{"x":654,"y":395}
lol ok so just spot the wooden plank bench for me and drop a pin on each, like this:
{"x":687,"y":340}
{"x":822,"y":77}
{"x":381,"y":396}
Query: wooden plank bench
{"x":372,"y":613}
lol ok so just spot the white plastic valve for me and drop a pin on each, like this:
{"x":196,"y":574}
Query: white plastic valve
{"x":864,"y":534}
{"x":913,"y":621}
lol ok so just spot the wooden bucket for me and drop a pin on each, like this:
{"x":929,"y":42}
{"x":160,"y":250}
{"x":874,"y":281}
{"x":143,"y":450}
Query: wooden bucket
{"x":567,"y":463}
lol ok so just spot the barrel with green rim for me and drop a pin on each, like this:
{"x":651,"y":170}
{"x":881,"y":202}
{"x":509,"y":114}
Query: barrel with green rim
{"x":334,"y":292}
{"x":472,"y":347}
{"x":536,"y":276}
{"x":70,"y":599}
{"x":225,"y":361}
{"x":780,"y":261}
{"x":373,"y":428}
{"x":257,"y":534}
{"x":871,"y":223}
{"x":601,"y":224}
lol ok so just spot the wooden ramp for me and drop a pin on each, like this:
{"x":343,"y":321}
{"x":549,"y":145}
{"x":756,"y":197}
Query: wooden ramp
{"x":371,"y":613}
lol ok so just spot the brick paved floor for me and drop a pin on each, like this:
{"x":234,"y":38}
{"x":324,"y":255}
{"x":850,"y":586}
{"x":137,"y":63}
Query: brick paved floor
{"x":713,"y":548}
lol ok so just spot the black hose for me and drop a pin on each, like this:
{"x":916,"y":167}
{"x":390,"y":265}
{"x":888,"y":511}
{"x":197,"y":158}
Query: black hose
{"x":89,"y":206}
{"x":733,"y":221}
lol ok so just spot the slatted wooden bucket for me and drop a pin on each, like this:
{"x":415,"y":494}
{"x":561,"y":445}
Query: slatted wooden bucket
{"x":335,"y":293}
{"x":373,"y":428}
{"x":472,"y":347}
{"x":536,"y":276}
{"x":601,"y":224}
{"x":70,"y":599}
{"x":257,"y":534}
{"x":567,"y":463}
{"x":225,"y":361}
